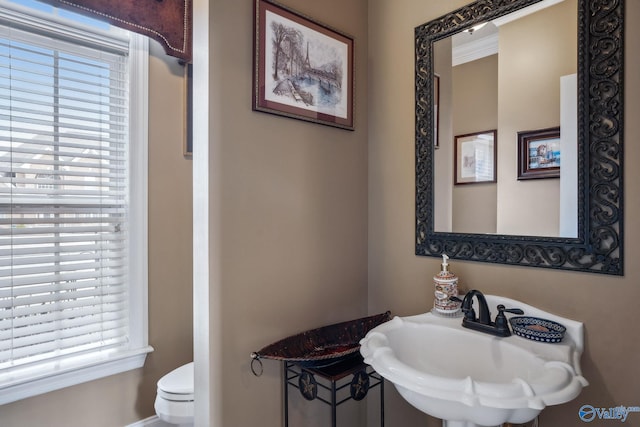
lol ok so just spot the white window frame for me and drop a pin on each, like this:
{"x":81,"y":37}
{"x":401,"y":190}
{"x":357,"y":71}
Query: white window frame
{"x":53,"y":375}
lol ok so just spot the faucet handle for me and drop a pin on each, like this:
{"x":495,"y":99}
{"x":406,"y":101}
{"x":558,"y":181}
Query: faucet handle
{"x":502,"y":309}
{"x":501,"y":319}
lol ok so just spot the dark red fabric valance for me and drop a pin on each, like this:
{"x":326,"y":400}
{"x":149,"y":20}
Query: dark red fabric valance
{"x":167,"y":21}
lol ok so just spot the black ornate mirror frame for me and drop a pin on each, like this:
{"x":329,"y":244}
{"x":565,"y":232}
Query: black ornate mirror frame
{"x":599,"y":245}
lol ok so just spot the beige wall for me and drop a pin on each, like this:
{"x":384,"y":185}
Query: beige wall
{"x":402,"y":282}
{"x":125,"y":398}
{"x":443,"y":156}
{"x":287,"y":220}
{"x":475,"y":109}
{"x":534,"y":54}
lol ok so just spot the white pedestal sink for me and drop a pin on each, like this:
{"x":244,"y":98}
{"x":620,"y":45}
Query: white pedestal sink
{"x":469,"y":378}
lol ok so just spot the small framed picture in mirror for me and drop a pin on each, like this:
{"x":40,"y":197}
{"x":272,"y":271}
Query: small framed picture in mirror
{"x":436,"y":111}
{"x":539,"y":153}
{"x":475,"y":157}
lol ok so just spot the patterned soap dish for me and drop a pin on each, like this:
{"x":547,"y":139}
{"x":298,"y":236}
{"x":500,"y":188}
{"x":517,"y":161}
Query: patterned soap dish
{"x":536,"y":329}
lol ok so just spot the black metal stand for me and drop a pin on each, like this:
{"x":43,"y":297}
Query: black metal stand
{"x":304,"y":379}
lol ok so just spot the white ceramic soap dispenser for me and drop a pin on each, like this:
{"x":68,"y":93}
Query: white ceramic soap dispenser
{"x":446,"y":286}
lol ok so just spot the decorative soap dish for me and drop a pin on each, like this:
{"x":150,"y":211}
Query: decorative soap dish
{"x":536,"y":329}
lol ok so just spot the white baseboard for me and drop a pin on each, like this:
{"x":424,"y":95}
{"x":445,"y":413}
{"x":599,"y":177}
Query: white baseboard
{"x":150,"y":422}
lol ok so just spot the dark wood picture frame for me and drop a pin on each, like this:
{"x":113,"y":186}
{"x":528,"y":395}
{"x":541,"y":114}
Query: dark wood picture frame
{"x":475,"y":157}
{"x":187,"y":140}
{"x":302,"y":69}
{"x":436,"y":110}
{"x":539,"y":153}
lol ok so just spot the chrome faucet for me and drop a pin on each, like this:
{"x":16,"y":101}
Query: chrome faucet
{"x":483,"y":323}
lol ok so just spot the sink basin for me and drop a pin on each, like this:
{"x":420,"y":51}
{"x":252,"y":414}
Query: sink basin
{"x":469,"y":378}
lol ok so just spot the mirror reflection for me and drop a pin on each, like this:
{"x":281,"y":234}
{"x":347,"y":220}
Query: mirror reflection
{"x":516,"y":74}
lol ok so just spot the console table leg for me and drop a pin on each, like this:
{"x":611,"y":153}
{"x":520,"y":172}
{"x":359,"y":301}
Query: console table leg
{"x":333,"y":404}
{"x":285,"y":398}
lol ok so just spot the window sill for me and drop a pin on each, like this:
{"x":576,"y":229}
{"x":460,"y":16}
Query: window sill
{"x":32,"y":381}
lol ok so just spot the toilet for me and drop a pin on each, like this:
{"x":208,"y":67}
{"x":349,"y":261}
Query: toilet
{"x":174,"y":398}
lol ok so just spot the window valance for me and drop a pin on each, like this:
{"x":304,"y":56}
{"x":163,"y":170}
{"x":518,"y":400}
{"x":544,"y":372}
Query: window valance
{"x":167,"y":21}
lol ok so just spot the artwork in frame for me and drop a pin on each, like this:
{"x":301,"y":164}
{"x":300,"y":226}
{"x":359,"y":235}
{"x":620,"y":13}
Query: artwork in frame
{"x":436,"y":111}
{"x":475,"y":157}
{"x":187,"y":140}
{"x":539,"y":153}
{"x":302,"y":69}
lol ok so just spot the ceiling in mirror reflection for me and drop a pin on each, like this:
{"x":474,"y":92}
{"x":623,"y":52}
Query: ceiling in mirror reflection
{"x":482,"y":39}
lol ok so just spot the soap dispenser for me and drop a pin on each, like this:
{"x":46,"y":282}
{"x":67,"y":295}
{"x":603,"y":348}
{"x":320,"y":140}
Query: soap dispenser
{"x":446,"y":286}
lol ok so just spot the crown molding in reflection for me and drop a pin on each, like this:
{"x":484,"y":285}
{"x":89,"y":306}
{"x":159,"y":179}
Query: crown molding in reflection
{"x":474,"y":49}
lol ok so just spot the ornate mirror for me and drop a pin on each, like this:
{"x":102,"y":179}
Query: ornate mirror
{"x":595,"y":242}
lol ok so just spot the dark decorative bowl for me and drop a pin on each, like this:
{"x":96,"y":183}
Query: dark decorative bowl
{"x":323,"y":346}
{"x":536,"y":329}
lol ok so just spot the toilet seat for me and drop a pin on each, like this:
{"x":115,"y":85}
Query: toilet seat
{"x":178,"y":382}
{"x":174,"y":398}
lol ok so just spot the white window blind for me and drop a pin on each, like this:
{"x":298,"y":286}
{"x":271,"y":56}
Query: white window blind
{"x":64,"y":196}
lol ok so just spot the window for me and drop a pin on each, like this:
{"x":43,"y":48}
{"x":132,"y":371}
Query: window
{"x":73,"y":210}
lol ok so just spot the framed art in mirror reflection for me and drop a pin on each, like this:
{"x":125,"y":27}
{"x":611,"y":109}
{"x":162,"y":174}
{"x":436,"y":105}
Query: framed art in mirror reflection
{"x":475,"y":157}
{"x":539,"y":154}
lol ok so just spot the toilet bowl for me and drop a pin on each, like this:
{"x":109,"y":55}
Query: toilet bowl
{"x":174,"y":398}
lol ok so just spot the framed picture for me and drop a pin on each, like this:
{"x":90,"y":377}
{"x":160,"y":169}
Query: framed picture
{"x":187,"y":140}
{"x":436,"y":111}
{"x":539,"y":154}
{"x":475,"y":157}
{"x":302,"y":69}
